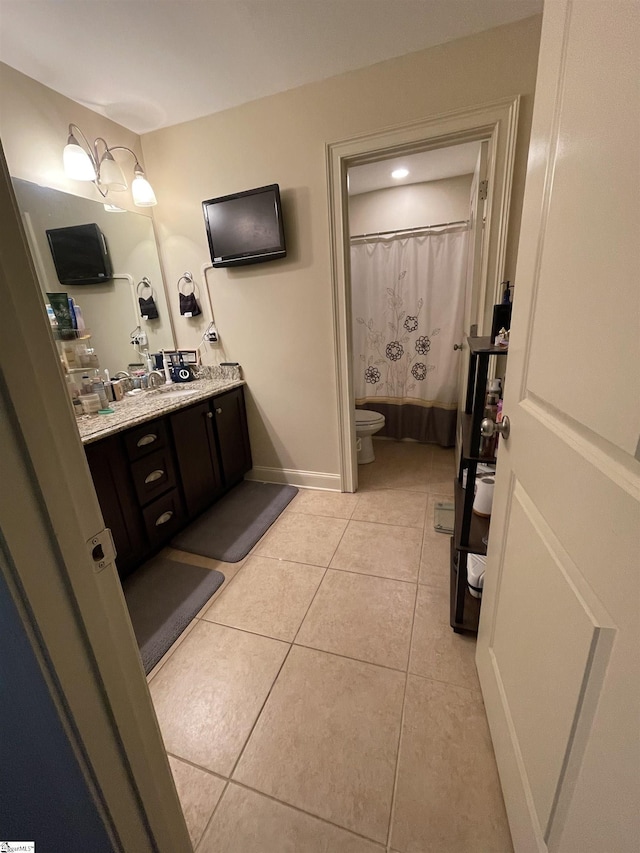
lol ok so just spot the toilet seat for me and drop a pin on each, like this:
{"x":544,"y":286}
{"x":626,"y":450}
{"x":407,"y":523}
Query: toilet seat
{"x":367,"y":418}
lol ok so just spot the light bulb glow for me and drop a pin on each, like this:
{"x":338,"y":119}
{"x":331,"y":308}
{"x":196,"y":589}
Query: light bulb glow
{"x":142,"y":192}
{"x":77,"y":163}
{"x":398,"y":174}
{"x":111,"y":177}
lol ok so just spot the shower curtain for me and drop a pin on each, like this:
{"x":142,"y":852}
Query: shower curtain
{"x":408,"y":309}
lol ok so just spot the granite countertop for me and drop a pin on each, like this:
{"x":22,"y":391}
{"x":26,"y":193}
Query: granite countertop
{"x":149,"y":405}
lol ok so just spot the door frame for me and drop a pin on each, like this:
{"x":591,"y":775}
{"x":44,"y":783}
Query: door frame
{"x":71,"y":605}
{"x":496,"y":121}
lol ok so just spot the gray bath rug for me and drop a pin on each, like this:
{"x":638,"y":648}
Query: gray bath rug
{"x":230,"y":529}
{"x":163,"y":596}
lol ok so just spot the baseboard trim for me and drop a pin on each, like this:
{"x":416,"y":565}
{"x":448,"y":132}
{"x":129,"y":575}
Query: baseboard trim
{"x":293,"y":477}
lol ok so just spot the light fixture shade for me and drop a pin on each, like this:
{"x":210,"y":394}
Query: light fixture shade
{"x":77,"y":163}
{"x":142,"y":192}
{"x":111,"y":177}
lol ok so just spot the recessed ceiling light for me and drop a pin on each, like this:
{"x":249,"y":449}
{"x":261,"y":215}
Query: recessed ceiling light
{"x":399,"y":173}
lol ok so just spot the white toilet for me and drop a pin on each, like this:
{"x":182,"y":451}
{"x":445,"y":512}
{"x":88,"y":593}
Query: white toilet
{"x":367,"y":424}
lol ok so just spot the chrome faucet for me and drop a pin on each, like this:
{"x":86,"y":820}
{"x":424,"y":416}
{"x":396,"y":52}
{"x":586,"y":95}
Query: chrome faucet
{"x":154,"y":375}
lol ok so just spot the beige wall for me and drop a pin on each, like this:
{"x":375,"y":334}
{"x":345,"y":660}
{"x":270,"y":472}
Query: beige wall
{"x":34,"y":125}
{"x":276,"y":318}
{"x":410,"y":206}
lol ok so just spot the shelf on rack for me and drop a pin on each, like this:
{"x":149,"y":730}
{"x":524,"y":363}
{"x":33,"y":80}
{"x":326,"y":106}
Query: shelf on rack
{"x":484,"y":345}
{"x":465,"y":422}
{"x":479,"y":526}
{"x":471,"y":616}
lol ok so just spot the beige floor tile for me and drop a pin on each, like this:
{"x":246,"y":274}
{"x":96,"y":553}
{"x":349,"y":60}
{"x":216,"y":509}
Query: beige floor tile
{"x":435,"y":559}
{"x":441,"y":475}
{"x":208,"y":694}
{"x":326,"y":740}
{"x":448,"y":797}
{"x":436,"y":651}
{"x":398,"y":465}
{"x":247,"y":822}
{"x":198,"y":792}
{"x":392,"y":506}
{"x":310,"y":539}
{"x":361,"y":617}
{"x":315,"y":502}
{"x":380,"y":549}
{"x":268,"y":597}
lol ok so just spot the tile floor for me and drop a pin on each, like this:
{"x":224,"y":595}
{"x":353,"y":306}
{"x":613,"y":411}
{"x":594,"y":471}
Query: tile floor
{"x":320,"y":703}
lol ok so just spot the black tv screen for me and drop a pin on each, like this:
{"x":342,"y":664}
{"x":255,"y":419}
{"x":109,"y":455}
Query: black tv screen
{"x":246,"y":227}
{"x":80,"y":254}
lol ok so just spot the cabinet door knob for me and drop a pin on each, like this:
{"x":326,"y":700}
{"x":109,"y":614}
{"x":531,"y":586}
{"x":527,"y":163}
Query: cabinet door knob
{"x":457,"y":346}
{"x":162,"y":519}
{"x":218,"y":411}
{"x":154,"y":475}
{"x":147,"y":439}
{"x":209,"y":415}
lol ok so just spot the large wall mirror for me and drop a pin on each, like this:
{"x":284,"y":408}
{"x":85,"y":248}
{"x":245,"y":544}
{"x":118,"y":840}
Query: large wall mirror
{"x":110,"y":310}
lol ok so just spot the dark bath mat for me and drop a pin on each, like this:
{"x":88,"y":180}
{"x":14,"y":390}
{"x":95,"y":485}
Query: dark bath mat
{"x":163,"y":596}
{"x":230,"y":529}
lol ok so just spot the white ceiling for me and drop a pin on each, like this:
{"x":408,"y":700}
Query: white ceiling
{"x":153,"y":63}
{"x":424,"y":166}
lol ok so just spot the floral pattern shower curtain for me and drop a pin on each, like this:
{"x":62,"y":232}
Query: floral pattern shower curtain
{"x":408,"y":310}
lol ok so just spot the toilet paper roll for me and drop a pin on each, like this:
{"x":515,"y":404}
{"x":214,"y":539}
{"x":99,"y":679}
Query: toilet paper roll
{"x":484,"y":496}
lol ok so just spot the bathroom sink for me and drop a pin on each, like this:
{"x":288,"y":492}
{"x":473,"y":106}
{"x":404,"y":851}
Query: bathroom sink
{"x":174,"y":393}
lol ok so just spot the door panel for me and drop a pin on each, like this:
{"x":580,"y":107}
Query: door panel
{"x":233,"y":437}
{"x":197,"y":458}
{"x":558,"y":646}
{"x":542,"y":620}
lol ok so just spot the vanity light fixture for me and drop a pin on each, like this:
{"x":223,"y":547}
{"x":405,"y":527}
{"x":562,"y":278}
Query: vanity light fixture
{"x":102,"y":169}
{"x":398,"y":174}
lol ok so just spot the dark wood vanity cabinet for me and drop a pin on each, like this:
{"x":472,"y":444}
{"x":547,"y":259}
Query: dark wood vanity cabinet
{"x":195,"y":445}
{"x":233,"y":436}
{"x":111,"y":477}
{"x":211,"y":441}
{"x":152,"y":479}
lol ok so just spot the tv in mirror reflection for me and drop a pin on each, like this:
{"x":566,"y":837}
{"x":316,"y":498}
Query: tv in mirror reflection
{"x":80,"y":254}
{"x":246,"y":227}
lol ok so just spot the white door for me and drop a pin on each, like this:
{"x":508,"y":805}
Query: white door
{"x":475,"y":268}
{"x":558,"y":646}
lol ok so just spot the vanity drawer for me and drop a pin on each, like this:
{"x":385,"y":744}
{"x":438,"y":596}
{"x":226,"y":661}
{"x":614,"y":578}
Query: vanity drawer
{"x":145,"y":439}
{"x":163,"y":517}
{"x":153,"y":475}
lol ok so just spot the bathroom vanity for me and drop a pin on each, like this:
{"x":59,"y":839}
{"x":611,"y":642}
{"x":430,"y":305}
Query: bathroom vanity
{"x":163,"y":458}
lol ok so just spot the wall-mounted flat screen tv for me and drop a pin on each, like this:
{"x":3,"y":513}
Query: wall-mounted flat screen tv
{"x":246,"y":227}
{"x":80,"y":254}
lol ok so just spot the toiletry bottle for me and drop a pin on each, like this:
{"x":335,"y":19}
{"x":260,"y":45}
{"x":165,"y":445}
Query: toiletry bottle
{"x":87,"y":384}
{"x":79,"y":319}
{"x":98,"y":388}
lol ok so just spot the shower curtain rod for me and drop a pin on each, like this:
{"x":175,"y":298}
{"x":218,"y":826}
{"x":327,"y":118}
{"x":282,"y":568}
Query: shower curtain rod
{"x":408,"y":231}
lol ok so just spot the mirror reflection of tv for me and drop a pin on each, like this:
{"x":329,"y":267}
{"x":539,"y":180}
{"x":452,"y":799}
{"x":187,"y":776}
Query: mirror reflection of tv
{"x":80,"y":254}
{"x":246,"y":227}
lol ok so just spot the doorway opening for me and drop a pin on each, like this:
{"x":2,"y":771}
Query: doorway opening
{"x":490,"y":129}
{"x":414,"y":221}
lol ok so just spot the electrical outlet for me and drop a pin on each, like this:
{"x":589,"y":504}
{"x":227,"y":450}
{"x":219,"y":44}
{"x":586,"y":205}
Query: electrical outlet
{"x":211,"y":335}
